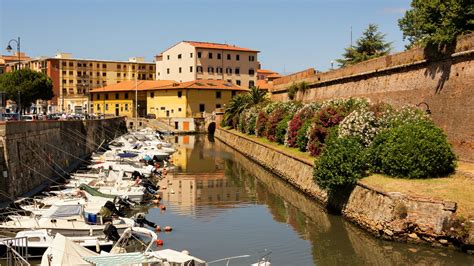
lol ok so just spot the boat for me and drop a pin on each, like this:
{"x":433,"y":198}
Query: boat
{"x":37,"y":241}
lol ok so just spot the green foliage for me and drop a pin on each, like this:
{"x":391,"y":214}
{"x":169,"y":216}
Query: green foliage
{"x":28,"y":84}
{"x":303,"y":86}
{"x":371,"y":45}
{"x":237,"y":105}
{"x":257,"y":95}
{"x":281,"y":128}
{"x":302,"y":136}
{"x":412,"y":150}
{"x":342,"y":163}
{"x":292,"y":90}
{"x":437,"y":21}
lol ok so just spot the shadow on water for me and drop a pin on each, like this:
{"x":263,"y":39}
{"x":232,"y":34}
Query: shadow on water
{"x":334,"y":241}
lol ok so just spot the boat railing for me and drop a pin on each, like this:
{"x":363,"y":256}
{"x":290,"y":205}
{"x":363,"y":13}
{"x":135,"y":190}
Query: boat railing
{"x":17,"y":250}
{"x":228,"y":259}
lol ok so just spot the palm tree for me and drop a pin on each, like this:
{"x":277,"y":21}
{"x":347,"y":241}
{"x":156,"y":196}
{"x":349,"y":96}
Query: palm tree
{"x":236,"y":105}
{"x":257,"y":95}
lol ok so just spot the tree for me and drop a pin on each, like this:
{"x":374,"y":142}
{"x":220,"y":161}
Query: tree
{"x":26,"y":85}
{"x":371,"y":45}
{"x":257,"y":95}
{"x":436,"y":21}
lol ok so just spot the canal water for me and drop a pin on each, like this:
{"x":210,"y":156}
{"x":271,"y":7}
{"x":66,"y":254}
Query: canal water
{"x":220,"y":204}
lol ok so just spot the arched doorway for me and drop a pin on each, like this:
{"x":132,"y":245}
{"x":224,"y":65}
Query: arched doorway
{"x":211,"y":128}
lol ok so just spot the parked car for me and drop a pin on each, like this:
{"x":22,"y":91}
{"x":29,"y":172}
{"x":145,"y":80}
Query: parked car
{"x":29,"y":117}
{"x":10,"y":116}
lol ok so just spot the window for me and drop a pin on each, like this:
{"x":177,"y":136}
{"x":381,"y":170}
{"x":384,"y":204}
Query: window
{"x":237,"y":57}
{"x":190,"y":69}
{"x":210,"y":70}
{"x":106,"y":107}
{"x":179,"y":109}
{"x":118,"y":75}
{"x":98,"y":73}
{"x":151,"y":67}
{"x":71,"y":73}
{"x":202,"y":108}
{"x":133,"y":67}
{"x":228,"y":70}
{"x":64,"y":72}
{"x":228,"y":56}
{"x":64,"y":63}
{"x":104,"y":74}
{"x":237,"y":71}
{"x":251,"y":72}
{"x":251,"y":83}
{"x":106,"y":96}
{"x":71,"y":64}
{"x":64,"y":81}
{"x":116,"y":96}
{"x":71,"y":81}
{"x":152,"y":95}
{"x":162,"y":108}
{"x":98,"y":107}
{"x":168,"y":57}
{"x":199,"y":54}
{"x":218,"y":105}
{"x":219,"y":56}
{"x":119,"y":66}
{"x":180,"y":94}
{"x":218,"y":95}
{"x":234,"y":93}
{"x":251,"y":58}
{"x":98,"y":65}
{"x":237,"y":82}
{"x":104,"y":65}
{"x":133,"y":75}
{"x":126,"y":107}
{"x":167,"y":71}
{"x":151,"y":76}
{"x":219,"y":70}
{"x":190,"y":55}
{"x":64,"y":91}
{"x":210,"y":55}
{"x":179,"y":56}
{"x":199,"y":69}
{"x":126,"y":95}
{"x":179,"y":70}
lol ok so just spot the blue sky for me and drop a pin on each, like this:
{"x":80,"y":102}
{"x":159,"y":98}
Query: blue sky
{"x":292,"y":35}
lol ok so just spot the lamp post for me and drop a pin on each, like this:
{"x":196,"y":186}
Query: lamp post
{"x":428,"y":110}
{"x":9,"y":49}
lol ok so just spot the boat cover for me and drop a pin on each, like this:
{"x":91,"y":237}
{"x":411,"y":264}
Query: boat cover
{"x":65,"y":252}
{"x":127,"y":155}
{"x":95,"y":192}
{"x":168,"y":255}
{"x":61,"y":211}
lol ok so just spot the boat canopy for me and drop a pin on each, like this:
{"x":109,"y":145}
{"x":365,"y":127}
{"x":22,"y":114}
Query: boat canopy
{"x":65,"y":252}
{"x":62,"y":211}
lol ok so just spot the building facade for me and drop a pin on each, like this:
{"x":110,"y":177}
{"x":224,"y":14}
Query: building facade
{"x":190,"y":99}
{"x":74,"y":78}
{"x":188,"y":61}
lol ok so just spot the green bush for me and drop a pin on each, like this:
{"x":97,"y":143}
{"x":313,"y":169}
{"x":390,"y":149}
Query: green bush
{"x":412,"y":150}
{"x":302,"y":135}
{"x":342,"y":162}
{"x":281,"y":129}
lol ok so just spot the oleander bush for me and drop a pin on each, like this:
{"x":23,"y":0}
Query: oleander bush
{"x":281,"y":128}
{"x":260,"y":124}
{"x":302,"y":135}
{"x":342,"y":163}
{"x":326,"y":118}
{"x":273,"y":119}
{"x":412,"y":150}
{"x":362,"y":124}
{"x":303,"y":114}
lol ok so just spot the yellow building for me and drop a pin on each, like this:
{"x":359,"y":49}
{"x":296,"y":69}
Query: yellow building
{"x":190,"y":99}
{"x":74,"y":78}
{"x":119,"y":99}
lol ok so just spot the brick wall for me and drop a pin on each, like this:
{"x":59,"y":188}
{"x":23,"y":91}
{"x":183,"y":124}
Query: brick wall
{"x":444,"y":82}
{"x":34,"y":153}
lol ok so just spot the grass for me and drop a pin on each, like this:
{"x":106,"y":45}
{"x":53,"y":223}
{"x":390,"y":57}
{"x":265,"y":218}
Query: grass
{"x":292,"y":151}
{"x":456,"y":187}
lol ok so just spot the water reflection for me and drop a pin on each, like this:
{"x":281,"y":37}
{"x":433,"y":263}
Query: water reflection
{"x":211,"y":179}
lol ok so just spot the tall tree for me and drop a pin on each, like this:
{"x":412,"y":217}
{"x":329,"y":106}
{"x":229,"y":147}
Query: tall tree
{"x":437,"y":21}
{"x":26,"y":85}
{"x":371,"y":45}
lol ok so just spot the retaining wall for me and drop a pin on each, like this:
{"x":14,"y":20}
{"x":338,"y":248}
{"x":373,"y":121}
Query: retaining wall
{"x":445,"y":81}
{"x":33,"y":153}
{"x":388,"y":215}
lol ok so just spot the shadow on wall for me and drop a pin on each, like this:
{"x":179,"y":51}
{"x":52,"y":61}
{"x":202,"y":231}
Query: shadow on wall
{"x":439,"y":53}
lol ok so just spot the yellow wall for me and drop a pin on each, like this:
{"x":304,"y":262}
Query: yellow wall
{"x":188,"y":104}
{"x":167,"y":100}
{"x":126,"y":106}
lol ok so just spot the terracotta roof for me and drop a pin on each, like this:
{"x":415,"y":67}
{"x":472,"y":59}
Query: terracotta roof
{"x":129,"y":85}
{"x":204,"y":84}
{"x":276,"y":75}
{"x":263,"y":84}
{"x":266,"y":71}
{"x":219,"y":46}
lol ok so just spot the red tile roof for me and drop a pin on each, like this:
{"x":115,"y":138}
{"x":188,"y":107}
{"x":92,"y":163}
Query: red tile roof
{"x":204,"y":84}
{"x":130,"y":85}
{"x":219,"y":46}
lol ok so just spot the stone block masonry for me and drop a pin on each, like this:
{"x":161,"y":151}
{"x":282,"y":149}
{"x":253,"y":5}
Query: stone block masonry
{"x":388,"y":215}
{"x":444,"y":81}
{"x":35,"y":153}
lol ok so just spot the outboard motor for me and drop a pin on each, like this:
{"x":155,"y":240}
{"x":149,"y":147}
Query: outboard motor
{"x":111,"y":233}
{"x":140,"y":219}
{"x":111,"y":207}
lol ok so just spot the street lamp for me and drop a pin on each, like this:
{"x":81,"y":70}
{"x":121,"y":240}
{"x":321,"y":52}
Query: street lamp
{"x":428,"y":110}
{"x":9,"y":49}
